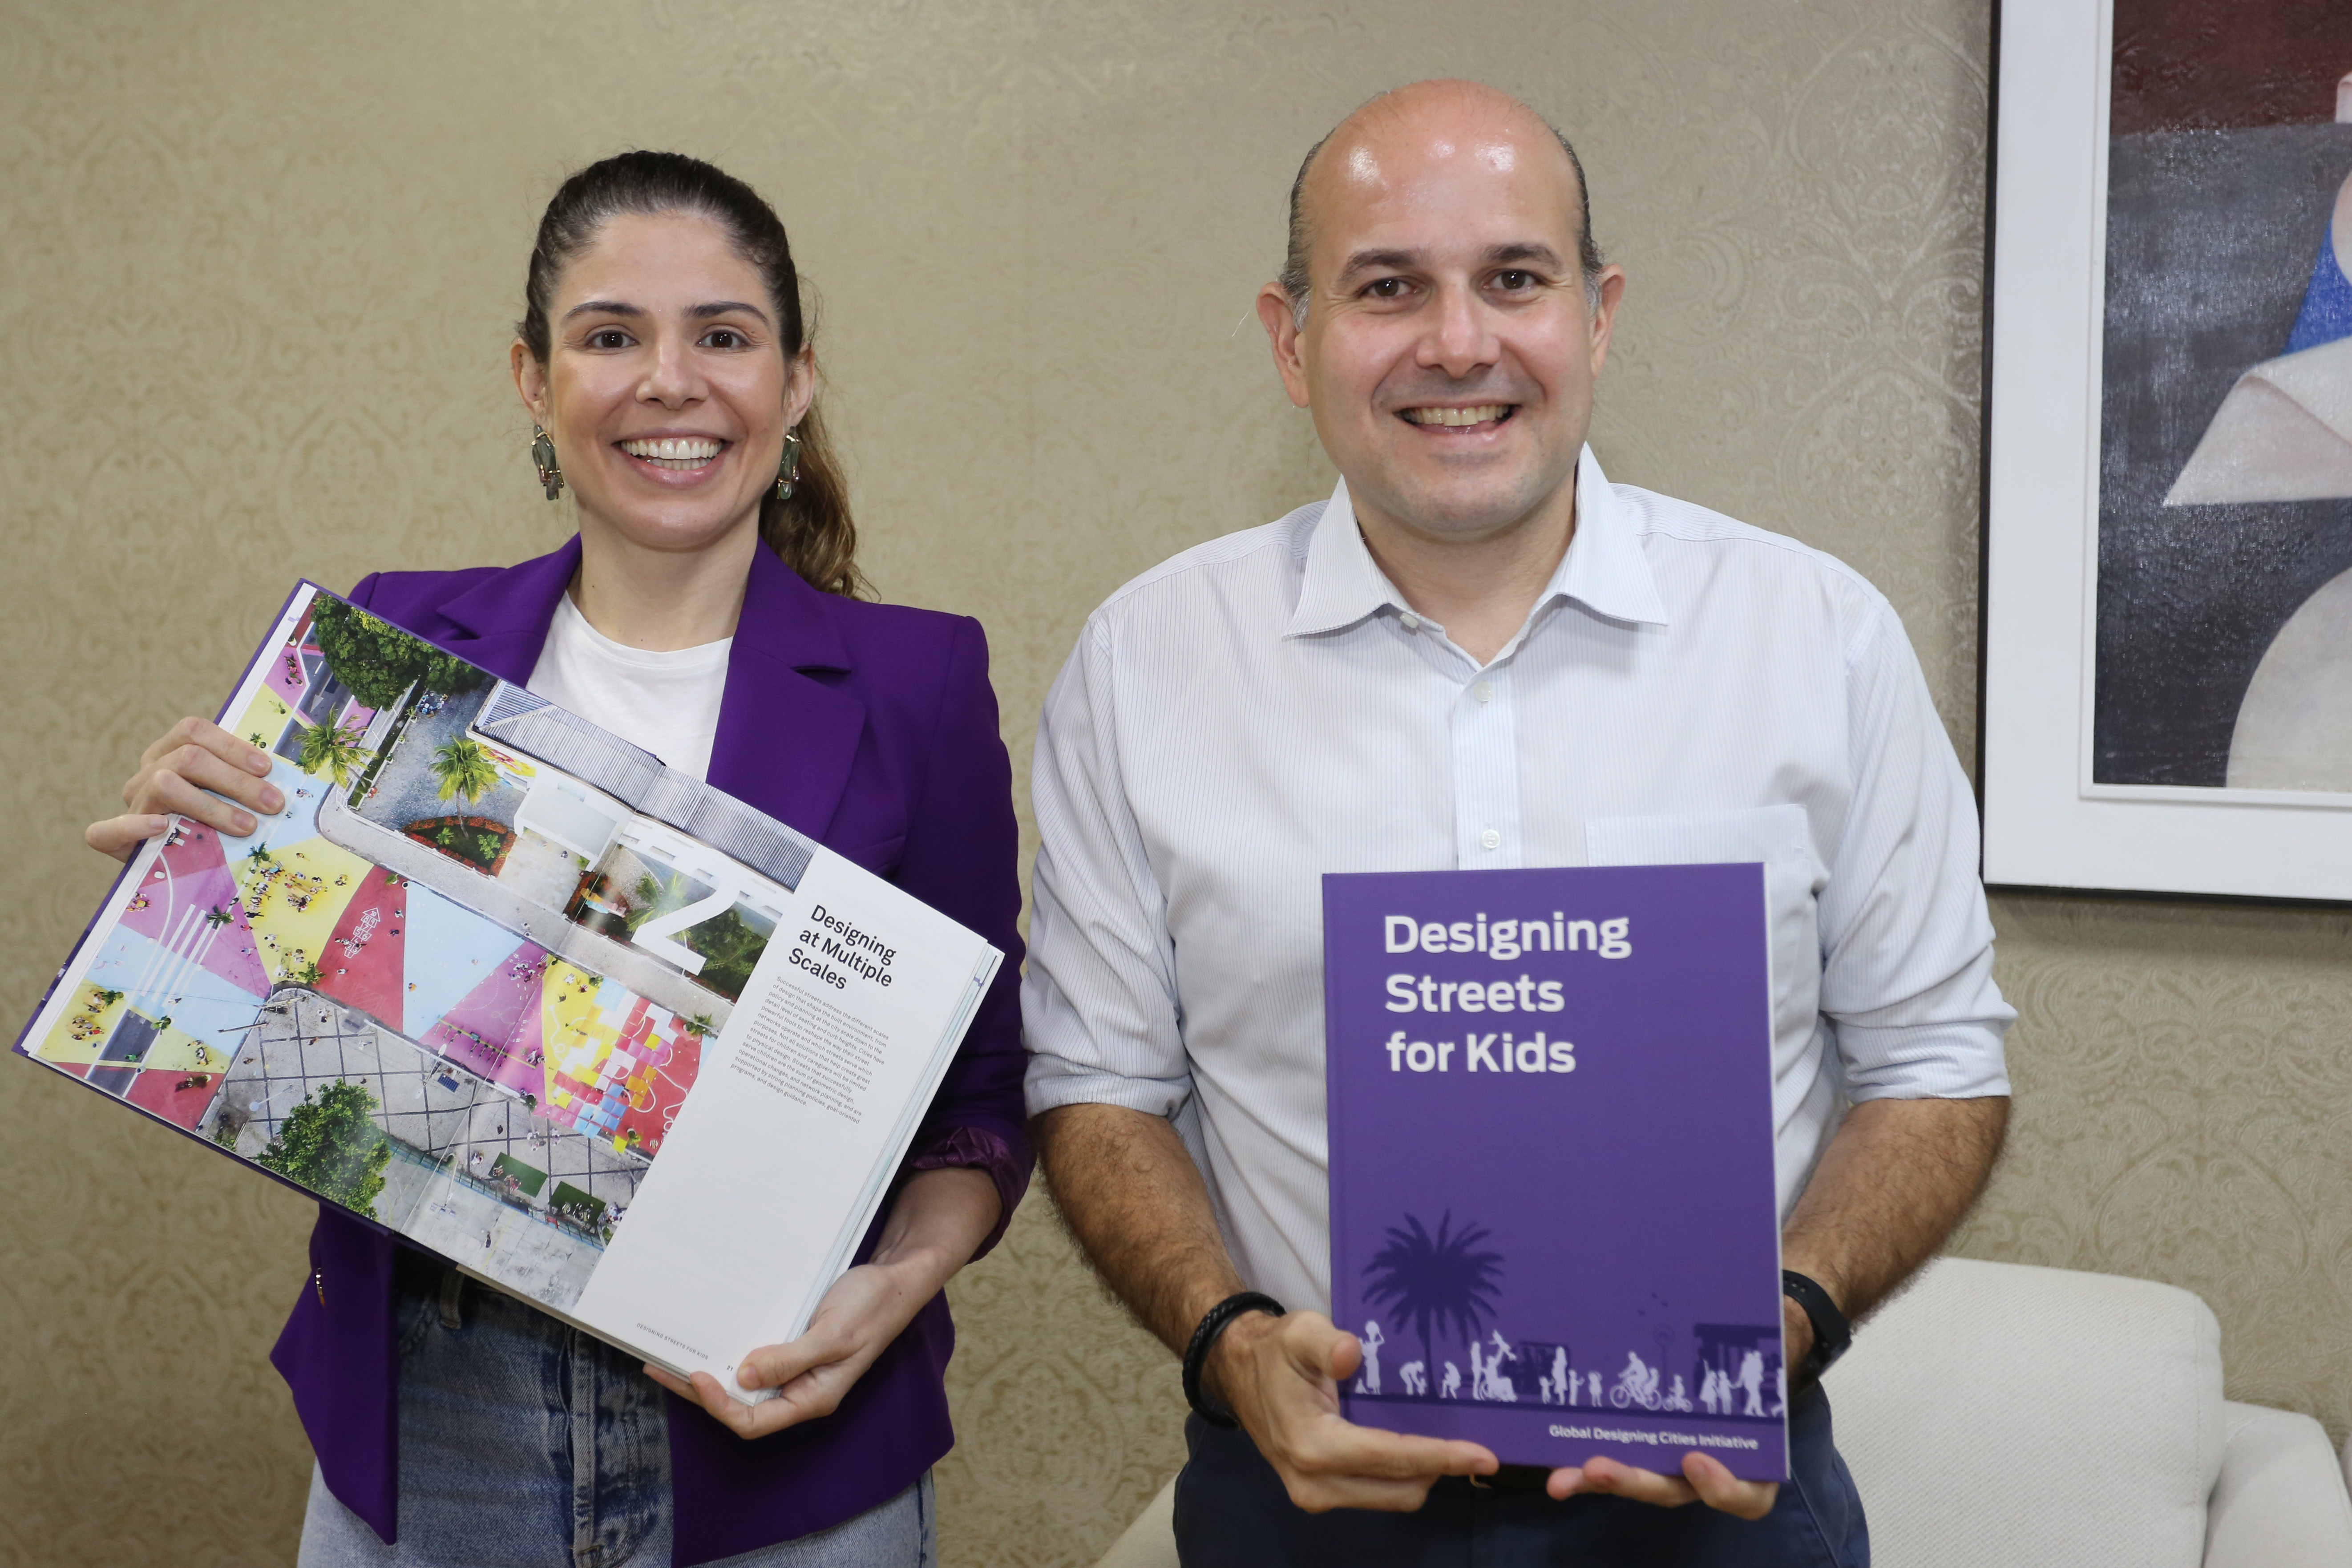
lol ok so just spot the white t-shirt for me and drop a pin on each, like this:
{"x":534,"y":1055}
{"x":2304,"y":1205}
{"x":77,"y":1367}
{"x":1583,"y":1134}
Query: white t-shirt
{"x":667,"y":702}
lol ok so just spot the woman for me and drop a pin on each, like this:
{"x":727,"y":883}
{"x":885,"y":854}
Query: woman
{"x":704,"y":612}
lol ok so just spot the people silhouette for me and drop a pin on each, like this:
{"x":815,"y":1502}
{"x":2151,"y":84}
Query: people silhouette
{"x":1477,"y":1373}
{"x":1370,"y":1381}
{"x":1497,"y":1385}
{"x":1752,"y":1379}
{"x":1451,"y":1387}
{"x":1596,"y":1389}
{"x":1709,"y":1390}
{"x":1561,"y":1387}
{"x":1415,"y":1378}
{"x":1676,"y":1398}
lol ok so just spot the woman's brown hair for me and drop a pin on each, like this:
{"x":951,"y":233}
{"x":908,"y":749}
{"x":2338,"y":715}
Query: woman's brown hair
{"x":812,"y":531}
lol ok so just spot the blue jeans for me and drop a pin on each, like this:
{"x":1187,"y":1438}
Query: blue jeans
{"x":526,"y":1443}
{"x":1233,"y":1512}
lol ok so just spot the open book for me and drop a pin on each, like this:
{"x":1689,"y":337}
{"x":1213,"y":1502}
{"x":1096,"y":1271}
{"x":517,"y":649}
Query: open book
{"x":504,"y":984}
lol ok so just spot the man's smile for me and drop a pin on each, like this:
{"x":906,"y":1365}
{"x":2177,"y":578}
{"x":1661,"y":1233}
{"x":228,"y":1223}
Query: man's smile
{"x":1474,"y":417}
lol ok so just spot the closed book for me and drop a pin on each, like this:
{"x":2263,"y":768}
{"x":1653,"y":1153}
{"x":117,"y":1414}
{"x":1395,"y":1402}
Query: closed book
{"x":1553,"y":1219}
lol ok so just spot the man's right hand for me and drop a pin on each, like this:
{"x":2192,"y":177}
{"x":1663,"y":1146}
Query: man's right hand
{"x":194,"y":756}
{"x":1281,"y":1376}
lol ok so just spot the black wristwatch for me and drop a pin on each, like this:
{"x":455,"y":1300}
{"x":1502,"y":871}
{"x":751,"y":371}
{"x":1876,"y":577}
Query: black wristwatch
{"x":1831,"y":1333}
{"x":1196,"y":1354}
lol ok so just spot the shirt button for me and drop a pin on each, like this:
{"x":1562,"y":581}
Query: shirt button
{"x":1410,"y":622}
{"x":1490,"y":839}
{"x":1482,"y":692}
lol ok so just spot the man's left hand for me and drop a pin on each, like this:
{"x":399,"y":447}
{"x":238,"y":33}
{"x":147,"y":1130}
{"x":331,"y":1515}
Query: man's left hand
{"x":1704,"y":1477}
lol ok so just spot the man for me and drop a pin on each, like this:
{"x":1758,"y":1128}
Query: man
{"x":1479,"y":654}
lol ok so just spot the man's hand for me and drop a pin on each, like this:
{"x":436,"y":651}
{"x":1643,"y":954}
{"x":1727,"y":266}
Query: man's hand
{"x":1280,"y":1376}
{"x":1704,"y":1479}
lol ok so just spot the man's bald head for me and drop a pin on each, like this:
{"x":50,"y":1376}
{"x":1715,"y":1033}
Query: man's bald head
{"x":1403,"y":110}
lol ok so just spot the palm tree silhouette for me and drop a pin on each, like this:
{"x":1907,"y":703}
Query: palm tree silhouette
{"x":1435,"y":1280}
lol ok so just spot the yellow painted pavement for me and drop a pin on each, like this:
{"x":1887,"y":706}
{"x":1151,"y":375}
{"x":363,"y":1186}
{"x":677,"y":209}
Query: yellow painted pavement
{"x":320,"y":878}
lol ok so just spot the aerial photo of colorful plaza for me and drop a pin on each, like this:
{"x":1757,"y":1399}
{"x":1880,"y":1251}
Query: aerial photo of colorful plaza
{"x":346,"y":1024}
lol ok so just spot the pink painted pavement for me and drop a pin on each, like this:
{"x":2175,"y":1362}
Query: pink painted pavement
{"x":494,"y":1029}
{"x":198,"y":879}
{"x":289,"y":686}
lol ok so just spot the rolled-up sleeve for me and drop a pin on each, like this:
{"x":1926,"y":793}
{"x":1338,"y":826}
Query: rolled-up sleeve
{"x":1100,"y":1006}
{"x":1906,"y":942}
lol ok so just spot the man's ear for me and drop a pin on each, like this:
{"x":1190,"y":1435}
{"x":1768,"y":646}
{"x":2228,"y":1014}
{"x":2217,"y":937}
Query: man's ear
{"x":530,"y":379}
{"x":1610,"y":288}
{"x":1274,"y":311}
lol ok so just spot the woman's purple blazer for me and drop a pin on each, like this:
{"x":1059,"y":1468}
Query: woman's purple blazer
{"x":871,"y":728}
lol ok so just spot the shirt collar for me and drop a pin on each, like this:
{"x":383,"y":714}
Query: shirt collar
{"x":1604,"y":569}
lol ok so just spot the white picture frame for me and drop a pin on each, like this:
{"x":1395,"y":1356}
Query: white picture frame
{"x":2047,"y":821}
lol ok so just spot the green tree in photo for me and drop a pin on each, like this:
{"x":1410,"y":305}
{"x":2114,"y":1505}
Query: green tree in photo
{"x":379,"y":661}
{"x":464,"y":769}
{"x":729,"y":947}
{"x":331,"y":749}
{"x":217,"y":918}
{"x":650,"y":898}
{"x":330,"y":1144}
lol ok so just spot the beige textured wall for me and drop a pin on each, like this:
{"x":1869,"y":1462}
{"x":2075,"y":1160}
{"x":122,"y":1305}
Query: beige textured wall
{"x":257,"y":263}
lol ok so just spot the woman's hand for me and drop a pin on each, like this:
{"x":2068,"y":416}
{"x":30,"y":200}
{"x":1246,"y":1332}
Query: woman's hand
{"x":195,"y":756}
{"x":940,"y":1216}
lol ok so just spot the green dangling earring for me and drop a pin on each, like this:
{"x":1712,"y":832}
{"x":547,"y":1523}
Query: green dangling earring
{"x":542,"y":457}
{"x":789,"y":469}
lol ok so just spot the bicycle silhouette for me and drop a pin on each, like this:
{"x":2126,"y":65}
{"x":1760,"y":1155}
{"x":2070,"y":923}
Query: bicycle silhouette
{"x":1637,"y":1385}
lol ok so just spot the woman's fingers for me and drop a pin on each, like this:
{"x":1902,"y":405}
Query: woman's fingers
{"x":205,"y":735}
{"x":184,"y":773}
{"x":800,"y":1403}
{"x":166,"y":790}
{"x":199,"y":751}
{"x":120,"y":836}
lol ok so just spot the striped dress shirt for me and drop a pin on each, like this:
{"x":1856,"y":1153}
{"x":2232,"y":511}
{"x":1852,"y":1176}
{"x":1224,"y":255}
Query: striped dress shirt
{"x":1266,"y":708}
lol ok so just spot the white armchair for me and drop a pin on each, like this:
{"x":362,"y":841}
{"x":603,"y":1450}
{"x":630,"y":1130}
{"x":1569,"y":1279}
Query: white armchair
{"x":1996,"y":1415}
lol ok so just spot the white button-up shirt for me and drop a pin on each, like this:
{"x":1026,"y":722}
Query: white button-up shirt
{"x":1266,"y":707}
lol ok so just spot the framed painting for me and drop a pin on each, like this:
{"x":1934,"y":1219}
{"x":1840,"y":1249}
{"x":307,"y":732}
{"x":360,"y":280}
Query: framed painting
{"x":2168,"y":586}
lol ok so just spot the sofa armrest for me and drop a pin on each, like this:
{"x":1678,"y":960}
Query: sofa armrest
{"x":1150,"y":1541}
{"x":2280,"y":1501}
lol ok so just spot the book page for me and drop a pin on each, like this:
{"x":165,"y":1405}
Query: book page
{"x":809,"y":1095}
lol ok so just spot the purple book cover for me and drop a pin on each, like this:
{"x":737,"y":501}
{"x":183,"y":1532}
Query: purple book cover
{"x":1553,"y":1214}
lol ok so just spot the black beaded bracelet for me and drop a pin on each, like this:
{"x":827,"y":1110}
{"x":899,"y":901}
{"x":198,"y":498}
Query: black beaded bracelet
{"x":1196,"y":1354}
